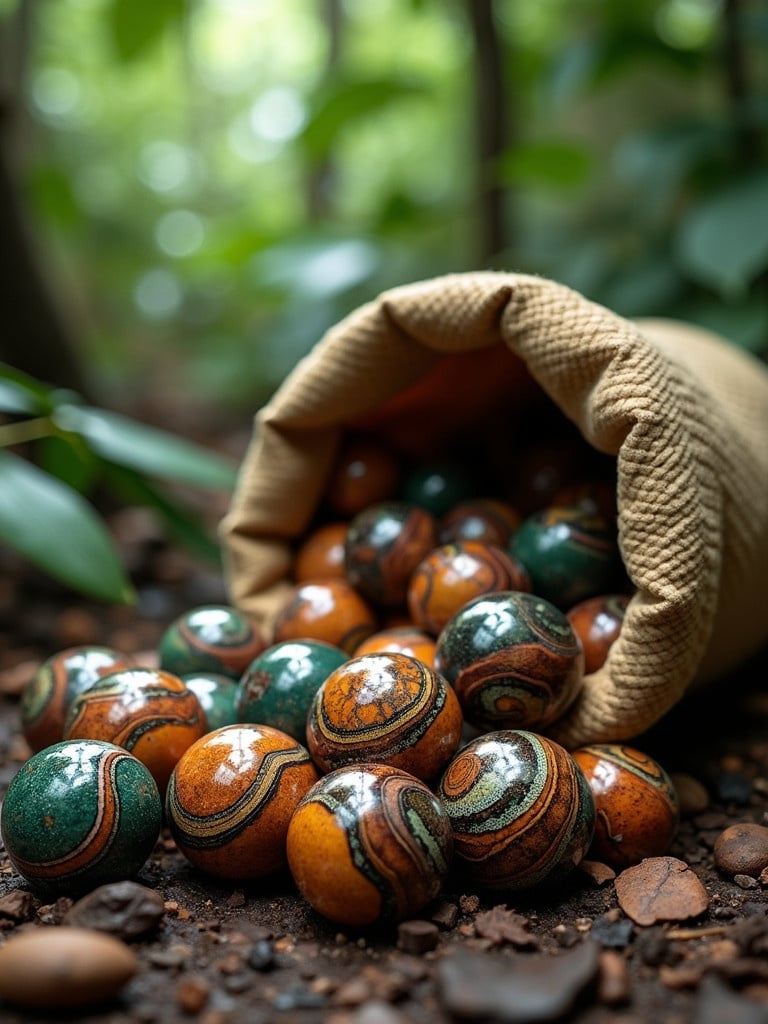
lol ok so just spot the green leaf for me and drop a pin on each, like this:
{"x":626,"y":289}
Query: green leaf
{"x":69,"y":459}
{"x":744,"y":323}
{"x":181,"y":524}
{"x":723,"y":240}
{"x":20,"y":393}
{"x":146,"y":449}
{"x":346,"y":100}
{"x":53,"y":195}
{"x":554,"y":164}
{"x":136,"y":25}
{"x":58,"y":531}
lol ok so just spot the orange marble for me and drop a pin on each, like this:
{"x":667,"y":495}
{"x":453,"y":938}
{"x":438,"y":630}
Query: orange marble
{"x":329,"y":610}
{"x":454,"y":574}
{"x":482,"y":519}
{"x":366,"y":471}
{"x":369,"y":843}
{"x":635,"y":800}
{"x":321,"y":555}
{"x":400,"y":640}
{"x":597,"y":623}
{"x":387,"y":708}
{"x":148,"y":712}
{"x":384,"y":545}
{"x":231,"y":797}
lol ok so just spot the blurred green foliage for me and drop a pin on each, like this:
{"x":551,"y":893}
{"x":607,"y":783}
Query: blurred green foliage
{"x":216,"y":184}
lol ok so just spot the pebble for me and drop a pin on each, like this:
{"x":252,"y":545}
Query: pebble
{"x":446,"y":915}
{"x":192,"y":994}
{"x":262,"y":955}
{"x":534,"y":988}
{"x":613,"y":985}
{"x":17,"y":905}
{"x":692,"y":795}
{"x":746,"y":882}
{"x":742,"y":850}
{"x":417,"y":936}
{"x":612,"y":934}
{"x":733,"y":788}
{"x":124,"y":909}
{"x":660,"y":889}
{"x":469,"y":904}
{"x":62,"y":967}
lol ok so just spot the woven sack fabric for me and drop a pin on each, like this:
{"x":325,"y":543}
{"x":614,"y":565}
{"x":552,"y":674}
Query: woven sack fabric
{"x":684,"y":413}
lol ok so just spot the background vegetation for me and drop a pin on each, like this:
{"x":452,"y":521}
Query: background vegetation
{"x":191,"y":191}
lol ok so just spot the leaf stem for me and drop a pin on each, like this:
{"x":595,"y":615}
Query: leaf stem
{"x":25,"y":430}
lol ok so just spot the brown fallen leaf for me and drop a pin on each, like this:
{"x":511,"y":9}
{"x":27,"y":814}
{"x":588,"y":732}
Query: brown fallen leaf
{"x":660,"y":889}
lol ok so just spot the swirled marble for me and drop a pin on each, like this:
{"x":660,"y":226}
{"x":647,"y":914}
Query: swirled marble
{"x":388,"y":708}
{"x":384,"y":544}
{"x":520,"y":808}
{"x":597,"y":623}
{"x":453,"y":574}
{"x":513,"y":660}
{"x":47,"y":697}
{"x":80,"y":814}
{"x":369,"y":843}
{"x":147,"y":711}
{"x":330,"y":610}
{"x":211,"y":638}
{"x":636,"y":803}
{"x":231,"y":797}
{"x":400,"y":640}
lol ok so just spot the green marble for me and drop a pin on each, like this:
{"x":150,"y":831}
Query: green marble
{"x":217,"y":695}
{"x":520,"y":808}
{"x":279,"y":686}
{"x":570,"y":553}
{"x":436,"y":486}
{"x":79,"y":814}
{"x":212,"y":638}
{"x":513,"y":660}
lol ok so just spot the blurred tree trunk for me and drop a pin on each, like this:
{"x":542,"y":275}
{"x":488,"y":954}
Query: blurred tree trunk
{"x":491,"y":131}
{"x":34,"y":335}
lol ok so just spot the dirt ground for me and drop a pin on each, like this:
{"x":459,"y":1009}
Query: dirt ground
{"x":222,"y":953}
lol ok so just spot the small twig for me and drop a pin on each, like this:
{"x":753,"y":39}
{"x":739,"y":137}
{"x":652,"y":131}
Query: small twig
{"x":684,"y":934}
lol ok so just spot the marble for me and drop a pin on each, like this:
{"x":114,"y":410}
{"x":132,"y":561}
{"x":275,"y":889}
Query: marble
{"x":597,"y":623}
{"x":513,"y":660}
{"x":636,"y":803}
{"x":369,"y":844}
{"x":366,"y":470}
{"x":320,"y":556}
{"x":47,"y":697}
{"x":79,"y":814}
{"x":211,"y":638}
{"x":487,"y":520}
{"x":404,"y":639}
{"x":148,"y":712}
{"x":231,"y":797}
{"x":217,"y":695}
{"x":384,"y":545}
{"x":328,"y":610}
{"x":387,"y":708}
{"x":520,"y":808}
{"x":278,"y":687}
{"x":452,"y":575}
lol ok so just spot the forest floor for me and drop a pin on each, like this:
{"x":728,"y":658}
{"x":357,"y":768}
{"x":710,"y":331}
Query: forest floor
{"x":224,"y":953}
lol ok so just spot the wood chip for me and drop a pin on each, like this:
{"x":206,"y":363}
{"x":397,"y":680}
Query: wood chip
{"x":501,"y":926}
{"x":660,"y":889}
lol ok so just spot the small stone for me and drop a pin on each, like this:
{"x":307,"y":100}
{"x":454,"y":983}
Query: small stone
{"x":235,"y":899}
{"x":565,"y":936}
{"x":446,"y":915}
{"x":733,"y":788}
{"x":742,"y":850}
{"x":54,"y":913}
{"x":597,"y":872}
{"x":192,"y":994}
{"x":376,"y":1012}
{"x":533,"y":988}
{"x":660,"y":889}
{"x":655,"y":949}
{"x":56,"y":968}
{"x":692,"y":795}
{"x":124,"y":909}
{"x":469,"y":904}
{"x":352,"y":993}
{"x":612,"y":934}
{"x":716,"y":1003}
{"x":678,"y":978}
{"x":417,"y":936}
{"x":613,"y":985}
{"x":17,"y":905}
{"x":262,"y":956}
{"x":501,"y":925}
{"x":746,"y":882}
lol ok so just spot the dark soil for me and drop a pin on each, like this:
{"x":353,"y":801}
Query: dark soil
{"x":258,"y":953}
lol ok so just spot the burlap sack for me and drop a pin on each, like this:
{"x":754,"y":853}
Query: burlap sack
{"x":685,"y":414}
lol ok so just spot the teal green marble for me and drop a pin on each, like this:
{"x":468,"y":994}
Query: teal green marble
{"x":80,"y":814}
{"x":521,"y":810}
{"x":513,"y":660}
{"x":436,"y":486}
{"x":279,"y":686}
{"x":570,"y":553}
{"x":211,"y":638}
{"x":217,"y":695}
